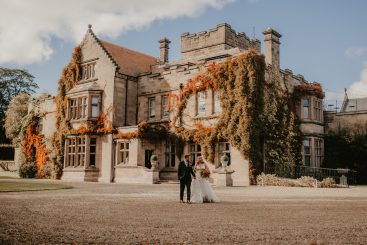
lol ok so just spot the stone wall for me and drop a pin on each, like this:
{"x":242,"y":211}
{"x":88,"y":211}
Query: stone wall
{"x":219,"y":38}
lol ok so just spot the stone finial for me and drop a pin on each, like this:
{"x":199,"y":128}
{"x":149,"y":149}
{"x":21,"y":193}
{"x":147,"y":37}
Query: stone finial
{"x":89,"y":26}
{"x":164,"y":47}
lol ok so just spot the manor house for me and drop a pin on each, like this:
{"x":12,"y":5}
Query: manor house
{"x":137,"y":85}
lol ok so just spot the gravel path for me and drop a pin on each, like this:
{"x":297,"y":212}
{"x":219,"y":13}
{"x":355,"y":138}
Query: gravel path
{"x":94,"y":213}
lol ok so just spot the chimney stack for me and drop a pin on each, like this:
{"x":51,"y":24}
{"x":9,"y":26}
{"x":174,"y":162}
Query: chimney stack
{"x":164,"y":47}
{"x":271,"y":39}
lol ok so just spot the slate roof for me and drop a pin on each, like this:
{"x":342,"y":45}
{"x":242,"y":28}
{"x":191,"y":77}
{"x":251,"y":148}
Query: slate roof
{"x":131,"y":62}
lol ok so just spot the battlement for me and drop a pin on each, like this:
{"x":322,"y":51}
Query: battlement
{"x":219,"y":38}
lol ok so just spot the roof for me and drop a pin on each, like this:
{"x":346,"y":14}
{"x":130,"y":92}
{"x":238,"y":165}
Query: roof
{"x":81,"y":87}
{"x":131,"y":62}
{"x":354,"y":105}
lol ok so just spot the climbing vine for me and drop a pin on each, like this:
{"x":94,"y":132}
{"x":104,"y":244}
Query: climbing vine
{"x":258,"y":117}
{"x":67,"y":81}
{"x":35,"y":151}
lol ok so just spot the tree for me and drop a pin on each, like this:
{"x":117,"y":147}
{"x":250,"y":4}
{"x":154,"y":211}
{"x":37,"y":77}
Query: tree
{"x":14,"y":117}
{"x":12,"y":83}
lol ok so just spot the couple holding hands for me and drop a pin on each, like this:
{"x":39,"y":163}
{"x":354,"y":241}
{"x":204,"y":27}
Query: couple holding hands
{"x":199,"y":176}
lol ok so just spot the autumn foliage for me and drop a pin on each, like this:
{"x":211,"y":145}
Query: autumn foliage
{"x":34,"y":148}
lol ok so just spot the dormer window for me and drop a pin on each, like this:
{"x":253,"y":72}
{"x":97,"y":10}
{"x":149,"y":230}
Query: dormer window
{"x":88,"y":71}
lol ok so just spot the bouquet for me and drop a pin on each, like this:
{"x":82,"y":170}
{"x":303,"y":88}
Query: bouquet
{"x":205,"y":173}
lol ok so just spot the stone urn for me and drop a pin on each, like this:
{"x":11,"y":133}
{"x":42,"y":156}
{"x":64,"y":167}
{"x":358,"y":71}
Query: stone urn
{"x":224,"y":161}
{"x":154,"y":162}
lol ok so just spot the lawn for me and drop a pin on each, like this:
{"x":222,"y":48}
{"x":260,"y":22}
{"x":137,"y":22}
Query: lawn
{"x":8,"y":186}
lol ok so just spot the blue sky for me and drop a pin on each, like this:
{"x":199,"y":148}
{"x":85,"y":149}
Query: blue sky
{"x":325,"y":40}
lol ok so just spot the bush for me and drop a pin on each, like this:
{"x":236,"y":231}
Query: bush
{"x":46,"y":171}
{"x":28,"y":170}
{"x":307,"y":181}
{"x":327,"y":183}
{"x":273,"y":180}
{"x":304,"y":181}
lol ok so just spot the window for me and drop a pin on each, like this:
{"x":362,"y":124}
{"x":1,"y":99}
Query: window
{"x":95,"y":106}
{"x":124,"y":152}
{"x":80,"y":154}
{"x":224,"y":149}
{"x":195,"y":152}
{"x":92,"y":151}
{"x":88,"y":71}
{"x":201,"y":103}
{"x":306,"y":108}
{"x":307,"y":152}
{"x":78,"y":108}
{"x":318,"y":110}
{"x":71,"y":144}
{"x":170,"y":154}
{"x":217,"y":106}
{"x":165,"y":112}
{"x":75,"y":154}
{"x":318,"y":152}
{"x":151,"y":107}
{"x":73,"y":108}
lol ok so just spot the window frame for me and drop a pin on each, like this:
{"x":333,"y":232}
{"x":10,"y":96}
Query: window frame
{"x":170,"y":154}
{"x":309,"y":154}
{"x":124,"y":152}
{"x":308,"y":108}
{"x":201,"y":103}
{"x":151,"y":108}
{"x":164,"y":107}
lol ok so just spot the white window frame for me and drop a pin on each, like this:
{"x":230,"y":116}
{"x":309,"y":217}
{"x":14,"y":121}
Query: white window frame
{"x":201,"y":103}
{"x":124,"y":149}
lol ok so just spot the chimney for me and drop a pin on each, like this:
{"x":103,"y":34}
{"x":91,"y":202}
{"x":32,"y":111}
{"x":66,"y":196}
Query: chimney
{"x":271,"y":39}
{"x":164,"y":47}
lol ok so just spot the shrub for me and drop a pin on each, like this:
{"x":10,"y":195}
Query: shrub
{"x":307,"y":181}
{"x":273,"y":180}
{"x":46,"y":171}
{"x":28,"y":170}
{"x":327,"y":183}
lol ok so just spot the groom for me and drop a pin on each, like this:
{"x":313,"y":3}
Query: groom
{"x":184,"y":175}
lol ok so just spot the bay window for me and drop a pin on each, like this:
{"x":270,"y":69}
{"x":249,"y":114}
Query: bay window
{"x":95,"y":106}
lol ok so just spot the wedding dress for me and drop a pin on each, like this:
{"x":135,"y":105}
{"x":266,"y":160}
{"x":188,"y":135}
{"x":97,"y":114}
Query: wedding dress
{"x":201,"y":189}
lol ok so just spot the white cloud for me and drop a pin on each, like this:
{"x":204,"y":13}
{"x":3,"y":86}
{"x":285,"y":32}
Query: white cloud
{"x":355,"y":51}
{"x":27,"y":27}
{"x":359,"y":88}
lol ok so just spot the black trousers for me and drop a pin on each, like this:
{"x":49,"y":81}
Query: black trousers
{"x":184,"y":184}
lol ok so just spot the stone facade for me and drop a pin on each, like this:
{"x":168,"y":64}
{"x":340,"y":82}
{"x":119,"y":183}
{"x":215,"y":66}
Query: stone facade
{"x":135,"y":86}
{"x":352,"y":115}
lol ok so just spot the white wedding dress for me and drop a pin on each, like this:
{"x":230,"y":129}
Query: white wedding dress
{"x":201,"y":189}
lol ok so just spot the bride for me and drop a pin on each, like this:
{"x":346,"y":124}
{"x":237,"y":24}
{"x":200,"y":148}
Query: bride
{"x":201,"y":189}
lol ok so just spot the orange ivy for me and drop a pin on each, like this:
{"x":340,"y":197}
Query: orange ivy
{"x":101,"y":126}
{"x":33,"y":147}
{"x":309,"y":89}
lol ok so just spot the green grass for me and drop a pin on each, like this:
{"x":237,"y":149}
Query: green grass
{"x":9,"y":186}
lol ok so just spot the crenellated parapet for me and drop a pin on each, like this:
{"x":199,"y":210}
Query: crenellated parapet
{"x":222,"y":37}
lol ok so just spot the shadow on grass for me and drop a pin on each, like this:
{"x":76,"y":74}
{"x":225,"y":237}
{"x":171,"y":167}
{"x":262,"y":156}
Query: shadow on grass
{"x":13,"y":186}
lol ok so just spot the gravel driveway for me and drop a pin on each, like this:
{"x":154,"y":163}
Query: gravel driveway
{"x":94,"y":213}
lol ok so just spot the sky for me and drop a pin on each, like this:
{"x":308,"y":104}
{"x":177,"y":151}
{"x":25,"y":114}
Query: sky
{"x":324,"y":40}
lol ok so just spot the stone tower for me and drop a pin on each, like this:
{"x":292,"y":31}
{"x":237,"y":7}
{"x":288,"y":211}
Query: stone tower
{"x":271,"y":39}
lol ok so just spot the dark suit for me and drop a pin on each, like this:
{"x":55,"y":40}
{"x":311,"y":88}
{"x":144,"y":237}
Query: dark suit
{"x":184,"y":175}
